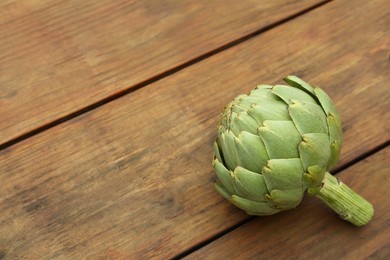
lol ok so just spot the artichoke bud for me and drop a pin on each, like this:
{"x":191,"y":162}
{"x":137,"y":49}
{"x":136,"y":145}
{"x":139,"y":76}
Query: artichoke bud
{"x":274,"y":143}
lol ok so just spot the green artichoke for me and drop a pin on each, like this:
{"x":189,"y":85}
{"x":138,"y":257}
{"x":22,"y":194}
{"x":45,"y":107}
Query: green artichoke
{"x":277,"y":142}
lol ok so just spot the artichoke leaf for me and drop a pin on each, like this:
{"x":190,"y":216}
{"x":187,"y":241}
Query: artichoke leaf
{"x":296,"y":82}
{"x":237,"y":108}
{"x":326,"y":103}
{"x":253,"y":207}
{"x":283,"y":174}
{"x":248,"y":184}
{"x":250,"y":100}
{"x":308,"y":117}
{"x":314,"y":176}
{"x":333,"y":117}
{"x":266,"y":110}
{"x":335,"y":129}
{"x":233,"y":117}
{"x":217,"y":152}
{"x":244,"y":122}
{"x":224,"y":176}
{"x":285,"y":199}
{"x":263,"y":91}
{"x":228,"y":147}
{"x":287,"y":94}
{"x":251,"y":152}
{"x":314,"y":149}
{"x":281,"y":139}
{"x":334,"y":155}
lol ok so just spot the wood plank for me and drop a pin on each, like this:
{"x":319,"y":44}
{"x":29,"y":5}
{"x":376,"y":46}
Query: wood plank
{"x":57,"y":57}
{"x":310,"y":231}
{"x":134,"y":177}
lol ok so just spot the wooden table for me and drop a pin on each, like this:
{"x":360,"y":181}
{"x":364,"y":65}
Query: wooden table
{"x":109,"y":111}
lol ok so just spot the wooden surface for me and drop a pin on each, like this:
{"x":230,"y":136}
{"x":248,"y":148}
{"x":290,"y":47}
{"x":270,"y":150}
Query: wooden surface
{"x":132,"y":179}
{"x":58,"y":57}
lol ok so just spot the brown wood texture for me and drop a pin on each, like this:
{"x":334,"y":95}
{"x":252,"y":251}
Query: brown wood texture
{"x":57,"y":57}
{"x":310,"y":231}
{"x":133,"y":178}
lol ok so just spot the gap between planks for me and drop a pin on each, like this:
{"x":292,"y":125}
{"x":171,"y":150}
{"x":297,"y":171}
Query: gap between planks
{"x":158,"y":77}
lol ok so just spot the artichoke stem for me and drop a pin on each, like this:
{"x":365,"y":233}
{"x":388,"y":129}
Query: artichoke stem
{"x":344,"y":201}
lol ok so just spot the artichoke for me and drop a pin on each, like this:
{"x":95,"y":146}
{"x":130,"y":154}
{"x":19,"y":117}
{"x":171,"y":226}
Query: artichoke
{"x":276,"y":143}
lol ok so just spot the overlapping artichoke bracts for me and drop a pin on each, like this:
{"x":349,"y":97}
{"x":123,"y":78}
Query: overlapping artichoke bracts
{"x":273,"y":144}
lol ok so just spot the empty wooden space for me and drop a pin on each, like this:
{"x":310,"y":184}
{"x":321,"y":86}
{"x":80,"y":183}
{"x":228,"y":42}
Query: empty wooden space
{"x":132,"y":178}
{"x":58,"y":57}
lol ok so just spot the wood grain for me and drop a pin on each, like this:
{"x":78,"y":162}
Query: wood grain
{"x":57,"y":57}
{"x":311,"y":231}
{"x":133,"y":179}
